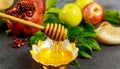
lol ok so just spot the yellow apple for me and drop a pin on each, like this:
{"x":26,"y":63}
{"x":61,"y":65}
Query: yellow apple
{"x":83,"y":3}
{"x":5,"y":4}
{"x":71,"y":14}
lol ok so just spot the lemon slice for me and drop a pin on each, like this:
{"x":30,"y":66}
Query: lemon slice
{"x":5,"y":4}
{"x":108,"y":33}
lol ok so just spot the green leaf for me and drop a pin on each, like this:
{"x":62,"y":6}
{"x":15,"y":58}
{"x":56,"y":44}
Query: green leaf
{"x":53,"y":10}
{"x":113,"y":12}
{"x":85,"y":54}
{"x":49,"y":18}
{"x":51,"y":3}
{"x":53,"y":18}
{"x":8,"y":32}
{"x":91,"y":43}
{"x":81,"y":31}
{"x":38,"y":36}
{"x":73,"y":33}
{"x":75,"y":62}
{"x":87,"y":26}
{"x":87,"y":33}
{"x":2,"y":20}
{"x":84,"y":50}
{"x":112,"y":16}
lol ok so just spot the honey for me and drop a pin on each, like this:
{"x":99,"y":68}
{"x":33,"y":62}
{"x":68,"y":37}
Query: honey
{"x":55,"y":54}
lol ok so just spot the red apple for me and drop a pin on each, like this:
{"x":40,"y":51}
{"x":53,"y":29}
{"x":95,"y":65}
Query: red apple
{"x":93,"y":13}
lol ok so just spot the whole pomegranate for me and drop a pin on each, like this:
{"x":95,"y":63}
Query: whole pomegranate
{"x":30,"y":10}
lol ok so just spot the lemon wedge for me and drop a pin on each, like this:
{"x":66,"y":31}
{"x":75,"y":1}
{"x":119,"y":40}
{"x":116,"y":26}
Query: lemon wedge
{"x":5,"y":4}
{"x":108,"y":34}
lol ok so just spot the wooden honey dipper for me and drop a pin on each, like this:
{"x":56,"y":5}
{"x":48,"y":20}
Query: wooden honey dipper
{"x":54,"y":31}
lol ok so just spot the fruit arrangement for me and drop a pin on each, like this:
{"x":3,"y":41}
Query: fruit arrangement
{"x":80,"y":18}
{"x":80,"y":32}
{"x":80,"y":23}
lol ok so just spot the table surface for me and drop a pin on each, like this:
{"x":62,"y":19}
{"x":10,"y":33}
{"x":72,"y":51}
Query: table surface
{"x":20,"y":58}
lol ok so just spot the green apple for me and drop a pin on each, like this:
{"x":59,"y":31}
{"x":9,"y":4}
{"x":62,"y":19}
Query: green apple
{"x":71,"y":14}
{"x":5,"y":4}
{"x":83,"y":3}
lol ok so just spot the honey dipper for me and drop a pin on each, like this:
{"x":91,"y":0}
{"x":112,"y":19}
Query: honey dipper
{"x":54,"y":31}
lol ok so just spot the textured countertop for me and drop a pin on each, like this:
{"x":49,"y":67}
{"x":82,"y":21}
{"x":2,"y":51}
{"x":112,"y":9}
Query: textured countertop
{"x":20,"y":58}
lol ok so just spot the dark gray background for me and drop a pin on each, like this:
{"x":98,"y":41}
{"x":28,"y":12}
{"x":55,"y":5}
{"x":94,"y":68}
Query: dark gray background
{"x":108,"y":58}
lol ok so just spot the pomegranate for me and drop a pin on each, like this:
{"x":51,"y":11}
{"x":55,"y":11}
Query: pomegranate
{"x":30,"y":10}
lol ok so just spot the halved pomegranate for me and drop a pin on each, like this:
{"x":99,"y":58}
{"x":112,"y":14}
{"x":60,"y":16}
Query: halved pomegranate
{"x":31,"y":10}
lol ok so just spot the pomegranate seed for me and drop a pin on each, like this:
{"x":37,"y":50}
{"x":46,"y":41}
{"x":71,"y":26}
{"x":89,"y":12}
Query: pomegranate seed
{"x":19,"y":42}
